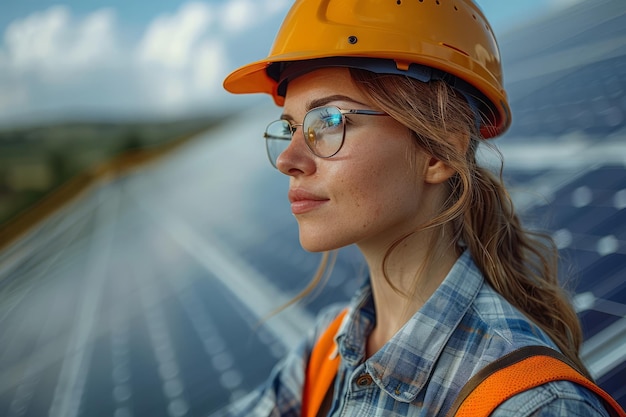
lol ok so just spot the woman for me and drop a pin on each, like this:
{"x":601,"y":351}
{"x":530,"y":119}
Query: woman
{"x":385,"y":104}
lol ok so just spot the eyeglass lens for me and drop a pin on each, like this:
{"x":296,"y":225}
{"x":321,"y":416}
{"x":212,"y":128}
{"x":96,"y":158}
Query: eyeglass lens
{"x":323,"y":131}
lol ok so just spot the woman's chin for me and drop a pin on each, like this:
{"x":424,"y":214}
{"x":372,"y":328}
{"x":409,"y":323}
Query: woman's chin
{"x":319,"y":244}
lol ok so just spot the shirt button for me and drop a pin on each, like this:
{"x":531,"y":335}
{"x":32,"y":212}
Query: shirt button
{"x":364,"y":380}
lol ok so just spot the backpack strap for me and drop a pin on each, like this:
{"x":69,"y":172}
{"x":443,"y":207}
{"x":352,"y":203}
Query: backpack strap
{"x":321,"y":369}
{"x":519,"y":371}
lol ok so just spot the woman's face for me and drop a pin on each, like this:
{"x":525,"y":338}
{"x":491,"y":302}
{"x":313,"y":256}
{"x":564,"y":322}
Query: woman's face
{"x":372,"y":191}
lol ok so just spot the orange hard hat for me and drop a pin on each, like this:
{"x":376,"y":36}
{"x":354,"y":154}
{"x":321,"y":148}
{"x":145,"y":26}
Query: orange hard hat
{"x":452,"y":38}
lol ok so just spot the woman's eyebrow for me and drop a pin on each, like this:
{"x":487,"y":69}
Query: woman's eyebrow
{"x":322,"y":101}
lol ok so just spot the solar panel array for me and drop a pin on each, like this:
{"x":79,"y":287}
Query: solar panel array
{"x":143,"y":297}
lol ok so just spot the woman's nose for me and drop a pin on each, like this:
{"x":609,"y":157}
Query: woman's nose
{"x":296,"y":159}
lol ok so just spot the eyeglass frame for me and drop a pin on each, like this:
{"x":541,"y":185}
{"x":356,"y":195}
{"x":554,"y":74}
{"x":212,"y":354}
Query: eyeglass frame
{"x":294,"y":126}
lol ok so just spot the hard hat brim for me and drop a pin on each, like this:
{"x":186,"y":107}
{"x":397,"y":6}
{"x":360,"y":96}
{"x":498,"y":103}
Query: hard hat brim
{"x":254,"y":78}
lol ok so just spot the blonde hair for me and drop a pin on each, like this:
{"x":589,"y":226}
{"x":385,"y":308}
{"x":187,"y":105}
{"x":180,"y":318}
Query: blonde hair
{"x":518,"y":263}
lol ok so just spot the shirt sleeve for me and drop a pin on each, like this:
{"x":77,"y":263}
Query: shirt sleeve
{"x":556,"y":399}
{"x":281,"y":394}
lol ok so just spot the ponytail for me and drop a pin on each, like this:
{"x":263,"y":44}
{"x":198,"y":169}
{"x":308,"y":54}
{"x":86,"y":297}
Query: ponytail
{"x":519,"y":264}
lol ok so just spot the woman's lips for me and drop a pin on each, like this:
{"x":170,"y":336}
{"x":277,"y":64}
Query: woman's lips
{"x":303,"y":201}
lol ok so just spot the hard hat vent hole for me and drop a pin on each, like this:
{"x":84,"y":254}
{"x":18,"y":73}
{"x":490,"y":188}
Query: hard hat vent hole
{"x":456,"y":9}
{"x":352,"y":40}
{"x":437,"y":2}
{"x":399,"y":2}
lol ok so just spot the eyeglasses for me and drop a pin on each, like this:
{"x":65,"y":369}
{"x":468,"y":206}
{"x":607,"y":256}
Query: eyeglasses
{"x":324,"y":130}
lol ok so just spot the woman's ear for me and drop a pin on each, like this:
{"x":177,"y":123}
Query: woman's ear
{"x":437,"y":171}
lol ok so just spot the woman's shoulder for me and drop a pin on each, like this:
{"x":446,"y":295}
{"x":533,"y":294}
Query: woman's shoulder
{"x":490,"y":329}
{"x":554,"y":399}
{"x":502,"y":323}
{"x":493,"y":328}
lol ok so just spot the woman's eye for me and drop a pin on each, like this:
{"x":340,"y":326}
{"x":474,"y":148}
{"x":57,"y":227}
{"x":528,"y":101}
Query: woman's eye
{"x":330,"y":120}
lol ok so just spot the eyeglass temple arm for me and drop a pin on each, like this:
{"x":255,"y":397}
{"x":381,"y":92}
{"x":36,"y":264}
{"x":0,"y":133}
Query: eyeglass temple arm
{"x":367,"y":112}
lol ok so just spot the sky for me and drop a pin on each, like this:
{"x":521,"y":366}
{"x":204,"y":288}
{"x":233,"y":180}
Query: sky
{"x":121,"y":59}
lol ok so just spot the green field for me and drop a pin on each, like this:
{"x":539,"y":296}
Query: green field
{"x":37,"y":160}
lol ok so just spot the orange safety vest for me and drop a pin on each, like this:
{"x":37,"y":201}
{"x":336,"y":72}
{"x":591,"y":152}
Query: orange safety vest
{"x":512,"y":374}
{"x":321,"y":369}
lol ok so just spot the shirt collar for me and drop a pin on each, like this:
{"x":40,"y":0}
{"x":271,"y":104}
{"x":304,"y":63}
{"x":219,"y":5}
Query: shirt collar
{"x":403,"y":365}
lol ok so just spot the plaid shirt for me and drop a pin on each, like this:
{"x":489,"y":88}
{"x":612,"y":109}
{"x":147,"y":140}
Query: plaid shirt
{"x":464,"y":326}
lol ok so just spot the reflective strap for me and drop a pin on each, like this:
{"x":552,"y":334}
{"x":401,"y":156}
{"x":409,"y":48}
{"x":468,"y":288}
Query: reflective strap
{"x":321,"y":369}
{"x":517,"y":372}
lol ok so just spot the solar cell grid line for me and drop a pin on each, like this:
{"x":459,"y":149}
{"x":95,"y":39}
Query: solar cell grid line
{"x":27,"y":262}
{"x":600,"y":112}
{"x":146,"y":389}
{"x":200,"y":252}
{"x":279,"y":255}
{"x":120,"y":371}
{"x":603,"y":351}
{"x":145,"y":381}
{"x":28,"y":350}
{"x":232,"y":270}
{"x":114,"y":377}
{"x":578,"y":220}
{"x":19,"y":396}
{"x":162,"y":349}
{"x":600,"y":316}
{"x":39,"y":404}
{"x":573,"y":260}
{"x":613,"y":381}
{"x":606,"y":176}
{"x":292,"y":273}
{"x":15,"y":318}
{"x":46,"y":290}
{"x":612,"y":225}
{"x":348,"y":274}
{"x":198,"y":312}
{"x":593,"y":322}
{"x":69,"y":390}
{"x":289,"y":267}
{"x":44,"y":302}
{"x":612,"y":267}
{"x":601,"y":195}
{"x":285,"y":263}
{"x":593,"y":278}
{"x":246,"y":350}
{"x":610,"y":28}
{"x":98,"y":392}
{"x":62,"y":229}
{"x":587,"y":199}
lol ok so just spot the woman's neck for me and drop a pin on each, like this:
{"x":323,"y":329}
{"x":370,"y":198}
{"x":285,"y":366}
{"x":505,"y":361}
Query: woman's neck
{"x":412,"y":273}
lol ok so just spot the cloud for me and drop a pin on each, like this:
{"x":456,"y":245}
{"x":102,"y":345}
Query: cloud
{"x":51,"y":57}
{"x":52,"y":44}
{"x":182,"y":58}
{"x":56,"y":60}
{"x":170,"y":39}
{"x":237,"y":15}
